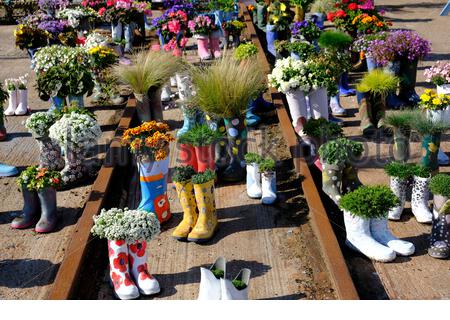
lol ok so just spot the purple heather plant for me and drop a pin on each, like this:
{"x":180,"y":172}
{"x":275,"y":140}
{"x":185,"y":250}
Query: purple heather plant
{"x":400,"y":44}
{"x":32,"y":20}
{"x":53,"y":26}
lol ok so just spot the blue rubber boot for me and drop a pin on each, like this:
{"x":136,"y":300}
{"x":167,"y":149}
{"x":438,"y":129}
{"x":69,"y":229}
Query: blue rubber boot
{"x":153,"y":182}
{"x":394,"y":102}
{"x":252,"y":119}
{"x":344,"y":88}
{"x":262,"y":105}
{"x":271,"y":36}
{"x":190,"y":119}
{"x":7,"y":171}
{"x":57,"y":104}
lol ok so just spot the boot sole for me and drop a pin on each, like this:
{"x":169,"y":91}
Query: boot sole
{"x":181,"y":239}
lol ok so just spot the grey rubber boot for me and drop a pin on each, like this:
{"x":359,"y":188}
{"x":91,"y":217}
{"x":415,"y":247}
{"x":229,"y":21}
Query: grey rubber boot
{"x":30,"y":210}
{"x":332,"y":181}
{"x":47,"y":198}
{"x":440,"y":232}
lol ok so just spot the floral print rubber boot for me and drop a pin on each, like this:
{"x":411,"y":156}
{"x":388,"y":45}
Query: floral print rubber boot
{"x":146,"y":283}
{"x":74,"y":169}
{"x":237,"y":148}
{"x":50,"y":154}
{"x":119,"y":272}
{"x":30,"y":210}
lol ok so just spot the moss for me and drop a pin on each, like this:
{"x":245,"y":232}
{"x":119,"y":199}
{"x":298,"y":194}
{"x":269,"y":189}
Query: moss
{"x":267,"y":165}
{"x":218,"y":273}
{"x":322,"y":128}
{"x":369,"y":201}
{"x":378,"y":82}
{"x":400,"y":170}
{"x":440,"y":184}
{"x":252,"y":158}
{"x":239,"y":284}
{"x":421,"y":171}
{"x":204,"y":177}
{"x":335,"y":40}
{"x":183,"y":173}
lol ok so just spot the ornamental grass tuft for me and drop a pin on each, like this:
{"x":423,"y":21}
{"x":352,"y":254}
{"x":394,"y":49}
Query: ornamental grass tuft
{"x":378,"y":82}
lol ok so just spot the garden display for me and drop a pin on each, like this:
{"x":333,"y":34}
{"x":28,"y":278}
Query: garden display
{"x":206,"y":31}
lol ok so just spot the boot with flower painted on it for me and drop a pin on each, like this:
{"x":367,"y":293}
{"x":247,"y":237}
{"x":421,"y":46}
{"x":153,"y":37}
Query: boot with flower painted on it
{"x":124,"y":287}
{"x":146,"y":283}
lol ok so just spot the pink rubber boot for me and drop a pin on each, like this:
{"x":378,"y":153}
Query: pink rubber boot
{"x":203,"y":47}
{"x":214,"y":40}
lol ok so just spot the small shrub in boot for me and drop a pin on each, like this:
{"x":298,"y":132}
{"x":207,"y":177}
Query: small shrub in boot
{"x":269,"y":181}
{"x":253,"y":182}
{"x":31,"y":207}
{"x":400,"y":123}
{"x":400,"y":175}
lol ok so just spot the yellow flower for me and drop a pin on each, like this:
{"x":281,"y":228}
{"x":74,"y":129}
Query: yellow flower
{"x":425,"y":98}
{"x":282,"y":7}
{"x":428,"y":91}
{"x":437,"y":101}
{"x":275,"y":19}
{"x":432,"y":147}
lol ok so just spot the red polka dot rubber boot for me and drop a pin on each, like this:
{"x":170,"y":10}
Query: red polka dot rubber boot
{"x":146,"y":283}
{"x":124,"y":287}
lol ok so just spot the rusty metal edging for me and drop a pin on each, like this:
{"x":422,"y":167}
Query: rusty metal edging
{"x":331,"y":251}
{"x":68,"y":273}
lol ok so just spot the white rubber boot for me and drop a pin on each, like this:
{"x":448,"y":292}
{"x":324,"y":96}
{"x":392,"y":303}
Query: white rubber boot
{"x":382,"y":234}
{"x":269,"y":187}
{"x":184,"y":86}
{"x":336,"y":108}
{"x":12,"y":103}
{"x":173,"y":82}
{"x":166,"y":93}
{"x":230,"y":292}
{"x":124,"y":287}
{"x":254,"y":190}
{"x":22,"y":107}
{"x":419,"y":200}
{"x":209,"y":285}
{"x":146,"y":283}
{"x":398,"y":187}
{"x":297,"y":108}
{"x":360,"y":239}
{"x":318,"y":102}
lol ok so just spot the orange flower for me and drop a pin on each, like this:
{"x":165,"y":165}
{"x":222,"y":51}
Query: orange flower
{"x":41,"y":173}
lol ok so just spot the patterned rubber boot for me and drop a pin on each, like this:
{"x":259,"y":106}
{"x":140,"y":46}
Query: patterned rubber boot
{"x":350,"y":180}
{"x":237,"y":148}
{"x":398,"y":187}
{"x":146,"y":283}
{"x":332,"y":181}
{"x":365,"y":113}
{"x":419,"y":200}
{"x":50,"y":154}
{"x":186,"y":195}
{"x":440,"y":233}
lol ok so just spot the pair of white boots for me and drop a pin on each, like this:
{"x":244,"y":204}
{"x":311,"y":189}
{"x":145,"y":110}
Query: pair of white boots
{"x":419,"y":198}
{"x":18,"y":103}
{"x":166,"y":92}
{"x":213,"y":288}
{"x":261,"y":185}
{"x":372,"y":237}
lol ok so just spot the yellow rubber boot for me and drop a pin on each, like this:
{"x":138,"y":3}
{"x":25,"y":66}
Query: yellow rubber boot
{"x":207,"y":219}
{"x":186,"y":195}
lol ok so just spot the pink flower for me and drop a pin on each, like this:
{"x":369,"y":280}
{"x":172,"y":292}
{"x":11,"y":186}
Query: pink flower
{"x":183,"y":42}
{"x":174,"y":26}
{"x":101,"y":11}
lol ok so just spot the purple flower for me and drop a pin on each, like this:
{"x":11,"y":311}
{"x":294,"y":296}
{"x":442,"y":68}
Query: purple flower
{"x":306,"y":29}
{"x":53,"y":26}
{"x":52,"y":5}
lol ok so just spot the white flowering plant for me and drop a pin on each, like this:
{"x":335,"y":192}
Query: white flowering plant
{"x":127,"y":225}
{"x":58,"y":55}
{"x":39,"y":123}
{"x":22,"y":82}
{"x":96,"y":40}
{"x":289,"y":75}
{"x":75,"y":130}
{"x":11,"y":84}
{"x":75,"y":15}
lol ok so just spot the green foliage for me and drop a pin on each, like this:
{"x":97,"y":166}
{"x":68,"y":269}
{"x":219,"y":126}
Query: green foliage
{"x":425,"y":126}
{"x":323,"y":6}
{"x":3,"y":95}
{"x":369,"y":201}
{"x":421,"y":171}
{"x":267,"y":165}
{"x":335,"y":40}
{"x":301,"y":48}
{"x":378,"y":82}
{"x":245,"y":51}
{"x":200,"y":135}
{"x":304,"y":4}
{"x":218,"y":273}
{"x":183,"y":173}
{"x":252,"y":158}
{"x":322,"y":128}
{"x":239,"y":284}
{"x":399,"y":119}
{"x":225,"y":88}
{"x":204,"y":177}
{"x":74,"y":109}
{"x":340,"y":150}
{"x":225,"y":5}
{"x":400,"y":170}
{"x":440,"y":185}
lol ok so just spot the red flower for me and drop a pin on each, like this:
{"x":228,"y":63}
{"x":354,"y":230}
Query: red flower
{"x":336,"y":5}
{"x":116,"y":280}
{"x":121,"y":262}
{"x":138,"y":248}
{"x":352,"y":6}
{"x":120,"y":242}
{"x":345,"y":1}
{"x":143,"y":272}
{"x":101,"y":11}
{"x":340,"y":14}
{"x":330,"y":16}
{"x":128,"y":282}
{"x":110,"y":3}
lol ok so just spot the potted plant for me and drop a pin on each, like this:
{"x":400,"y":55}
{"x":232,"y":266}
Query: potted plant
{"x":128,"y":232}
{"x":11,"y":88}
{"x":245,"y":50}
{"x":236,"y":289}
{"x":224,"y":90}
{"x":253,"y":181}
{"x":51,"y":6}
{"x":372,"y":92}
{"x":149,"y":143}
{"x":439,"y":74}
{"x":400,"y":175}
{"x":261,"y":14}
{"x":234,"y":29}
{"x":278,"y":21}
{"x":440,"y":241}
{"x":207,"y":223}
{"x":335,"y":156}
{"x":300,"y":7}
{"x":362,"y":44}
{"x":30,"y":38}
{"x":75,"y":132}
{"x":300,"y":50}
{"x":150,"y":70}
{"x":191,"y":114}
{"x":434,"y":105}
{"x":202,"y":27}
{"x":420,"y":194}
{"x":38,"y":124}
{"x":305,"y":30}
{"x":182,"y":178}
{"x":400,"y":123}
{"x":268,"y":181}
{"x":38,"y":187}
{"x":321,"y":130}
{"x":3,"y":97}
{"x":320,"y":8}
{"x":210,"y":286}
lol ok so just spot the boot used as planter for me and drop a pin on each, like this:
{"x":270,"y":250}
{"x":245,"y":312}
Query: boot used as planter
{"x":365,"y":113}
{"x":408,"y":74}
{"x":74,"y":168}
{"x":203,"y":46}
{"x":419,"y":200}
{"x":145,"y":282}
{"x":318,"y":103}
{"x":210,"y":287}
{"x":236,"y":289}
{"x":221,"y":154}
{"x":271,"y":37}
{"x":430,"y":148}
{"x":336,"y":108}
{"x":398,"y":187}
{"x":350,"y":180}
{"x":116,"y":30}
{"x":332,"y":180}
{"x":187,"y":156}
{"x":237,"y":148}
{"x":78,"y":100}
{"x":148,"y":106}
{"x":205,"y":156}
{"x":22,"y":106}
{"x":47,"y":222}
{"x":50,"y":154}
{"x":214,"y":41}
{"x":253,"y":181}
{"x":381,"y":233}
{"x":30,"y":211}
{"x":392,"y":100}
{"x":297,"y":108}
{"x":261,"y":16}
{"x":128,"y":34}
{"x":268,"y":187}
{"x":189,"y":118}
{"x":12,"y":102}
{"x":344,"y":87}
{"x":401,"y":144}
{"x":2,"y":124}
{"x":166,"y":93}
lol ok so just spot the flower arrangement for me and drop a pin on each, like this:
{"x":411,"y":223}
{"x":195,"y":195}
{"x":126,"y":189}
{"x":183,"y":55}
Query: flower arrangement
{"x":102,"y":57}
{"x":94,"y":4}
{"x":75,"y":130}
{"x":54,"y":27}
{"x":303,"y":49}
{"x":11,"y":84}
{"x":305,"y":30}
{"x":430,"y":100}
{"x":75,"y":15}
{"x":127,"y":225}
{"x":279,"y":15}
{"x":245,"y":51}
{"x":39,"y":123}
{"x":362,"y":43}
{"x":95,"y":39}
{"x":35,"y":179}
{"x":149,"y":140}
{"x":124,"y":11}
{"x":57,"y":55}
{"x":438,"y":73}
{"x":53,"y":5}
{"x":234,"y":27}
{"x":203,"y":25}
{"x":400,"y":44}
{"x":368,"y":24}
{"x":27,"y":37}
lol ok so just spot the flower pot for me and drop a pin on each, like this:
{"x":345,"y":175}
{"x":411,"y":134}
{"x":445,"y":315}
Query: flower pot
{"x":436,"y":116}
{"x":128,"y":33}
{"x":271,"y":37}
{"x":205,"y":157}
{"x":185,"y":192}
{"x":207,"y":222}
{"x":203,"y":47}
{"x":50,"y":154}
{"x":57,"y":103}
{"x":29,"y":212}
{"x":47,"y":198}
{"x":116,"y":30}
{"x":148,"y":106}
{"x":297,"y":108}
{"x":371,"y":64}
{"x":401,"y":144}
{"x":214,"y":42}
{"x":153,"y":182}
{"x":430,"y":148}
{"x":440,"y":241}
{"x":408,"y":75}
{"x":299,"y":14}
{"x":187,"y":156}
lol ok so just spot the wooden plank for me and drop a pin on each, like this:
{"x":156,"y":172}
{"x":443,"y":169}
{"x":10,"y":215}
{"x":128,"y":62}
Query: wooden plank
{"x":330,"y":247}
{"x":66,"y":278}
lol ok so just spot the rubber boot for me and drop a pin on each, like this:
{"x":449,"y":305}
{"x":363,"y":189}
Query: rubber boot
{"x":350,"y":180}
{"x":401,"y":144}
{"x":153,"y":182}
{"x":252,"y":119}
{"x":187,"y":156}
{"x":205,"y":156}
{"x":381,"y":233}
{"x":49,"y":217}
{"x":203,"y":47}
{"x":261,"y":12}
{"x":392,"y":100}
{"x":57,"y":103}
{"x":186,"y":195}
{"x":237,"y":147}
{"x":7,"y":171}
{"x":189,"y":117}
{"x":210,"y":288}
{"x":365,"y":113}
{"x":145,"y":282}
{"x":271,"y":37}
{"x":29,"y":212}
{"x":128,"y":34}
{"x":443,"y":159}
{"x":230,"y":292}
{"x":12,"y":103}
{"x":344,"y":87}
{"x":253,"y":183}
{"x":22,"y":107}
{"x":116,"y":31}
{"x":50,"y":154}
{"x":336,"y":108}
{"x":262,"y":105}
{"x":268,"y":187}
{"x":440,"y":233}
{"x":359,"y":238}
{"x":119,"y":271}
{"x":398,"y":187}
{"x":419,"y":200}
{"x":74,"y":169}
{"x":2,"y":125}
{"x":318,"y":103}
{"x":430,"y":148}
{"x":332,"y":181}
{"x":408,"y":74}
{"x":214,"y":41}
{"x":297,"y":108}
{"x":207,"y":222}
{"x":184,"y":86}
{"x":166,"y":93}
{"x":79,"y":100}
